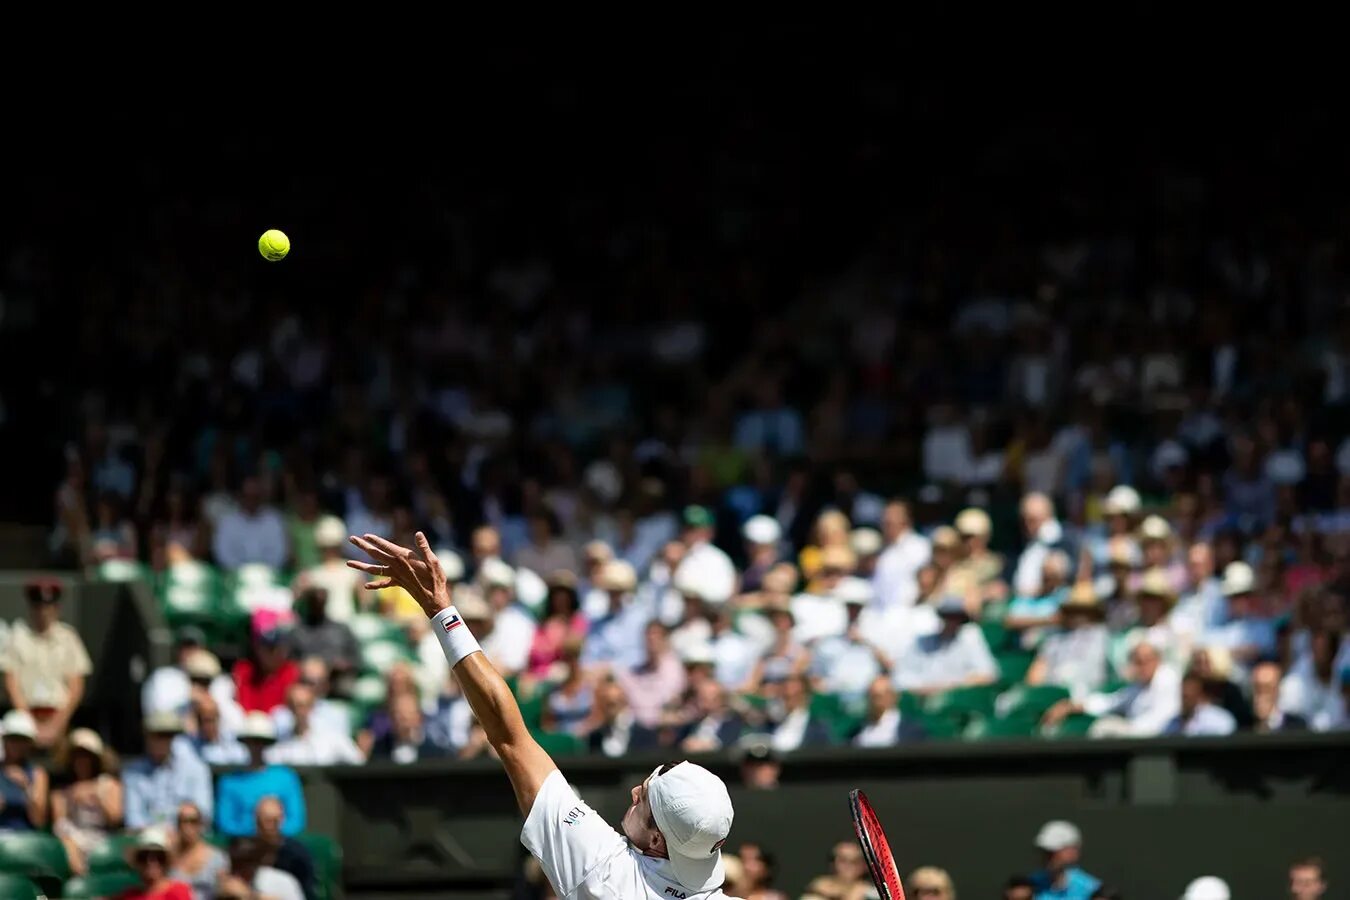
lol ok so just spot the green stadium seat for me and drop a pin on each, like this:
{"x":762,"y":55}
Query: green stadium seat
{"x":1013,"y":666}
{"x":1000,"y":728}
{"x":1074,"y":726}
{"x":1025,"y":701}
{"x":911,"y":704}
{"x":109,"y":857}
{"x":966,"y":702}
{"x":994,"y":633}
{"x":94,"y":886}
{"x":557,"y":743}
{"x":532,"y":708}
{"x":17,"y":887}
{"x":36,"y":855}
{"x":327,"y":857}
{"x":938,"y":726}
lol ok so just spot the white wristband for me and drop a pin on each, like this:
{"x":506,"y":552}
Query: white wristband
{"x":456,"y":639}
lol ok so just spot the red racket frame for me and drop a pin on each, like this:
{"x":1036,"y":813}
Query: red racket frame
{"x":876,"y":849}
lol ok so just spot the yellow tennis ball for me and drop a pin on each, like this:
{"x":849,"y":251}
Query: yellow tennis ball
{"x":274,"y":245}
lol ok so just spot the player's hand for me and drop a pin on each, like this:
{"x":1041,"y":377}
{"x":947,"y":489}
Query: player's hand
{"x":394,"y":565}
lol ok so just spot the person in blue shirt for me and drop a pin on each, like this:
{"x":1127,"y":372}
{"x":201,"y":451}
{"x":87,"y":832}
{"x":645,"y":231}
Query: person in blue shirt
{"x":238,"y":793}
{"x":1060,"y":878}
{"x":169,"y":775}
{"x":615,"y":639}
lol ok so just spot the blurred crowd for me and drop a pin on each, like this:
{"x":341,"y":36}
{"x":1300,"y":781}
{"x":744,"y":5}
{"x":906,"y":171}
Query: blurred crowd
{"x":716,"y":463}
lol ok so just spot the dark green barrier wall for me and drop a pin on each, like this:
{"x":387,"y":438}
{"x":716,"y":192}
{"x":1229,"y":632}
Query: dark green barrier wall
{"x":1154,"y":814}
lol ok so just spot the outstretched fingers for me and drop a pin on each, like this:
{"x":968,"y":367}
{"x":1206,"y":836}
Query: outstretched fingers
{"x":388,"y":548}
{"x":365,"y":545}
{"x":378,"y":584}
{"x":424,"y":547}
{"x":368,"y":568}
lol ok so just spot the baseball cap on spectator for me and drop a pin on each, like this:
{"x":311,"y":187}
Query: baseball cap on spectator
{"x":258,"y":726}
{"x":973,"y":522}
{"x":272,"y":626}
{"x":201,"y":665}
{"x":87,"y":740}
{"x":761,"y":530}
{"x":1122,"y":500}
{"x":946,"y":538}
{"x":617,"y":575}
{"x":495,"y":573}
{"x":1058,"y":834}
{"x":853,"y":591}
{"x":18,"y":723}
{"x":698,"y":653}
{"x":954,"y":606}
{"x":1238,"y":578}
{"x":1155,"y":528}
{"x":471,"y":605}
{"x":164,"y":722}
{"x":152,"y":839}
{"x":693,"y":810}
{"x":1207,"y":888}
{"x":696,"y":516}
{"x":329,"y":532}
{"x":43,"y":590}
{"x":865,"y":541}
{"x":1155,"y":583}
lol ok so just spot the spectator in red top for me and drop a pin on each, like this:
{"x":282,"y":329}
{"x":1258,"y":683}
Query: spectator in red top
{"x":562,"y":620}
{"x":262,"y":679}
{"x":149,"y":856}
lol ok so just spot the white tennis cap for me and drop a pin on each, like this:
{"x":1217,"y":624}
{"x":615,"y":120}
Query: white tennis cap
{"x":761,"y":530}
{"x":693,"y":810}
{"x":1207,"y":888}
{"x":1238,"y":578}
{"x":1057,"y":835}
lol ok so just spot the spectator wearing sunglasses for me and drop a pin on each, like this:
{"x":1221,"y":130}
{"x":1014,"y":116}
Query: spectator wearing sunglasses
{"x":196,"y":862}
{"x":149,"y":856}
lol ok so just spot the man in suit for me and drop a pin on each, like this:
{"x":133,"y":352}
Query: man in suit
{"x":407,"y":740}
{"x":715,"y":724}
{"x":797,"y":727}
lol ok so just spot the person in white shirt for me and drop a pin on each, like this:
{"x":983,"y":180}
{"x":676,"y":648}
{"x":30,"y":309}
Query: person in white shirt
{"x":309,"y":746}
{"x":716,"y":572}
{"x":1198,"y":717}
{"x":846,"y":664}
{"x":795,"y":727}
{"x":1312,"y":689}
{"x":955,"y":656}
{"x":896,"y":579}
{"x":513,"y":626}
{"x":1075,"y":656}
{"x":169,"y":688}
{"x":332,"y":573}
{"x":883,"y":726}
{"x":1140,"y":709}
{"x":680,"y":816}
{"x":1043,"y":533}
{"x":251,"y":532}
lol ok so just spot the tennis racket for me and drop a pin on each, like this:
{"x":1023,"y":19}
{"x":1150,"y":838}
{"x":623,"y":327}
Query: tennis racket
{"x":876,"y":849}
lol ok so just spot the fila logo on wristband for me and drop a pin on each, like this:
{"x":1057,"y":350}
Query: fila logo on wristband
{"x":452,"y":621}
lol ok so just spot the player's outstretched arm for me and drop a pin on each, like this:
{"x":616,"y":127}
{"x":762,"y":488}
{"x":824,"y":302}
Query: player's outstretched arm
{"x":419,"y":573}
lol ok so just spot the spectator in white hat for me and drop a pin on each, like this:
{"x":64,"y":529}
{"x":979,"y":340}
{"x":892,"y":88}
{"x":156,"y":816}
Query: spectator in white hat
{"x":1244,"y":633}
{"x":1060,"y":877}
{"x":762,"y":535}
{"x":151,"y":857}
{"x":331,"y":573}
{"x":1207,"y":888}
{"x":615,"y":637}
{"x":239,"y":792}
{"x":846,"y":664}
{"x":89,"y":808}
{"x":156,"y":783}
{"x":980,"y":565}
{"x":1074,"y":656}
{"x":1158,"y":546}
{"x":513,"y":626}
{"x":23,"y":783}
{"x":866,"y":544}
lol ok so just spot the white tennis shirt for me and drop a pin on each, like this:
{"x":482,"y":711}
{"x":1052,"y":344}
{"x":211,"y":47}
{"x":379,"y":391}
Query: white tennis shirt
{"x":586,"y":859}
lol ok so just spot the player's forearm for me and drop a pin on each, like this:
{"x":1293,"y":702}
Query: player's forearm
{"x":491,"y":701}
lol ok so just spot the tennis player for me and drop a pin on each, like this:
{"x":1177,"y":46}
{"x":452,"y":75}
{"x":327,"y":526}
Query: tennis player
{"x":673,"y":832}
